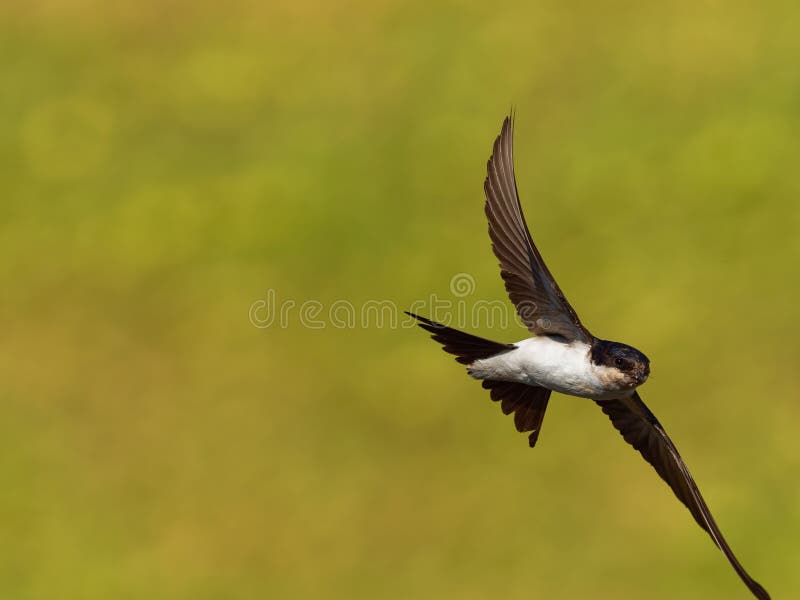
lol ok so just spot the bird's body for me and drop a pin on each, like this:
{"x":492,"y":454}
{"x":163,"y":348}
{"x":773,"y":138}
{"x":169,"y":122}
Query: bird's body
{"x":556,"y":364}
{"x":563,"y":356}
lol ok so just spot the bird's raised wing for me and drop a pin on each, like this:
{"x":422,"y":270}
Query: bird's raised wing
{"x":539,"y":302}
{"x":641,"y":429}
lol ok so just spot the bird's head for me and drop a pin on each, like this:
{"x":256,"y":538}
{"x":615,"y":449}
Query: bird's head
{"x":625,"y":365}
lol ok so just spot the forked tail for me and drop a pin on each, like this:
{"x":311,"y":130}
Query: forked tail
{"x":466,"y":347}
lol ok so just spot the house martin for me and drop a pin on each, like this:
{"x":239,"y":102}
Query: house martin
{"x":562,"y":355}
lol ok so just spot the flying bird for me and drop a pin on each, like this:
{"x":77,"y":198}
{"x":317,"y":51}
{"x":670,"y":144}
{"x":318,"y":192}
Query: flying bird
{"x":562,"y":355}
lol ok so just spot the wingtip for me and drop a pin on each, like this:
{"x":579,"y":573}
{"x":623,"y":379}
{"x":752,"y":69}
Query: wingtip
{"x":764,"y":594}
{"x":508,"y":122}
{"x":758,"y":590}
{"x":506,"y":132}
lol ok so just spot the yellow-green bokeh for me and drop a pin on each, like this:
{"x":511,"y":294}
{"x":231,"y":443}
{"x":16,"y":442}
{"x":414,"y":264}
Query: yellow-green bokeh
{"x":164,"y":164}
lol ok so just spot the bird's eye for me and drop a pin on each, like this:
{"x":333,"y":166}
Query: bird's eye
{"x":619,"y":362}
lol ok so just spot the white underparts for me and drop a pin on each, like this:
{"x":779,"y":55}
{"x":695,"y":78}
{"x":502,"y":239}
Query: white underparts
{"x":561,"y":366}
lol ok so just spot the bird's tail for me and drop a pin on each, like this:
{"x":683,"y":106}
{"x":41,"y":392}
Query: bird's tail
{"x":466,"y":347}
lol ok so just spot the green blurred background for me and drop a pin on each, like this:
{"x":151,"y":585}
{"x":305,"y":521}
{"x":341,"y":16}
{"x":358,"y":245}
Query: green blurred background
{"x":164,"y":164}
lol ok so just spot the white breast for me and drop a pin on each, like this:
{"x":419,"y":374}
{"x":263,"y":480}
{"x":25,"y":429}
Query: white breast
{"x":564,"y":367}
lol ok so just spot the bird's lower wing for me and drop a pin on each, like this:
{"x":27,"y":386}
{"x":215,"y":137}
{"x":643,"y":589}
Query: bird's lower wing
{"x":641,"y":429}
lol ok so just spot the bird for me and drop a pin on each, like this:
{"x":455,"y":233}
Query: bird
{"x":561,"y":355}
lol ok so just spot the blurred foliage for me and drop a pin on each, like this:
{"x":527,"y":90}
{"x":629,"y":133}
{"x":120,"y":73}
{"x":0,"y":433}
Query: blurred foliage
{"x":164,"y":164}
